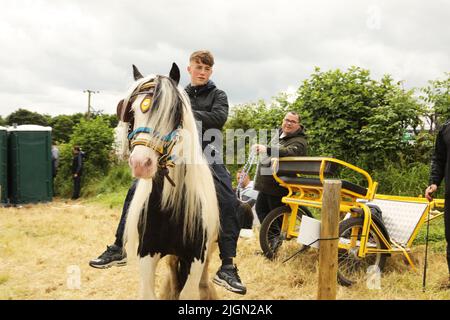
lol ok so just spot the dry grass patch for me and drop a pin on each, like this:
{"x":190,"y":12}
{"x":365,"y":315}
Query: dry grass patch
{"x":40,"y":244}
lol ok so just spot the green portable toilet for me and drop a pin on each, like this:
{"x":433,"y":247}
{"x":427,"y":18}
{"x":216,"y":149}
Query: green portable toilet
{"x":30,"y":164}
{"x":3,"y":165}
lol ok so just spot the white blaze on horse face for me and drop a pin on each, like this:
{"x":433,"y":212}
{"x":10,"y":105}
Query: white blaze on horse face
{"x":143,"y":160}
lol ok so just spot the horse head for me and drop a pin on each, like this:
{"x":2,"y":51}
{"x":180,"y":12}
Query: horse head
{"x":154,"y":109}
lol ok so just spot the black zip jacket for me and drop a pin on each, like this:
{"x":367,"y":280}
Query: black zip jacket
{"x":440,"y":161}
{"x":209,"y":104}
{"x":77,"y":163}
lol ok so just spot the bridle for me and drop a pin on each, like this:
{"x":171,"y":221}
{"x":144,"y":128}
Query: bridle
{"x":162,"y":144}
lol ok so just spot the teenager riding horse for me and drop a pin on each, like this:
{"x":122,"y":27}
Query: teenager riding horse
{"x":174,"y":210}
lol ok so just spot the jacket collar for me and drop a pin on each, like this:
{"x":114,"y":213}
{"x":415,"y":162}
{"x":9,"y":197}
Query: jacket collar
{"x":299,"y":132}
{"x":200,"y":89}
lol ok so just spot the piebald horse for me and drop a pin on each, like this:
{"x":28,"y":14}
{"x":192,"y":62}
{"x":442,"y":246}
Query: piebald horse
{"x":174,"y":211}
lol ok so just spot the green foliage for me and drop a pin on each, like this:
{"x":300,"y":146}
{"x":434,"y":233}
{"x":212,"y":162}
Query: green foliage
{"x":2,"y":122}
{"x":110,"y":118}
{"x":62,"y":128}
{"x":63,"y":181}
{"x":23,"y":116}
{"x":256,"y":116}
{"x":436,"y":233}
{"x":95,"y":137}
{"x":354,"y":118}
{"x":437,"y":96}
{"x":393,"y":180}
{"x":421,"y":149}
{"x":117,"y":178}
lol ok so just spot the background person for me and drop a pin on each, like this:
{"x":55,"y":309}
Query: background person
{"x":55,"y":164}
{"x":440,"y":170}
{"x":77,"y":171}
{"x":292,"y":142}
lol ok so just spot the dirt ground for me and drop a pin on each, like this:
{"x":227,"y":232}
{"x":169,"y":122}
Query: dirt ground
{"x":45,"y":250}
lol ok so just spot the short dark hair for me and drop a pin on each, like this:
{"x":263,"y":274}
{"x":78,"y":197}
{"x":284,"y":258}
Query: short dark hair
{"x":76,"y":148}
{"x":295,"y":114}
{"x":202,"y":56}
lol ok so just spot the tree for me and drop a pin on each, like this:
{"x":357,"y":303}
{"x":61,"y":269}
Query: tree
{"x":110,"y":118}
{"x":23,"y":116}
{"x":255,"y":116}
{"x":95,"y":137}
{"x":2,"y":122}
{"x":437,"y":98}
{"x":62,"y":128}
{"x":350,"y":116}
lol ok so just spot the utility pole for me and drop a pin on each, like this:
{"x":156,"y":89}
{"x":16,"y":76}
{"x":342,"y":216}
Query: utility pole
{"x":89,"y":92}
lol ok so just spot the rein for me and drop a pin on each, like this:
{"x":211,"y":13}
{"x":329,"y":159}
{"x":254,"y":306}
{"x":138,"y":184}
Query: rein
{"x":246,"y":170}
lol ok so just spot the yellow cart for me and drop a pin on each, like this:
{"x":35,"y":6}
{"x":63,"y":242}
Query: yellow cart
{"x":372,"y":227}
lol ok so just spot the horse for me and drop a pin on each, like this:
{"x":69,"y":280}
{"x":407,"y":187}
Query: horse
{"x":174,"y":211}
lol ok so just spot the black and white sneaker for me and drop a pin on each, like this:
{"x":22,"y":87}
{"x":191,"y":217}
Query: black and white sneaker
{"x":113,"y":256}
{"x":228,"y":277}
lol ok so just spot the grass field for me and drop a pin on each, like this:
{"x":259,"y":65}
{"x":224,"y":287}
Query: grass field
{"x":43,"y":247}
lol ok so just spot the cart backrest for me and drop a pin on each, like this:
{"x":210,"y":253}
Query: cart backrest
{"x":305,"y":167}
{"x":307,"y":171}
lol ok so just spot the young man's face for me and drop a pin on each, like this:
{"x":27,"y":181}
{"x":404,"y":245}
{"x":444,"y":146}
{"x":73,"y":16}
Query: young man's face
{"x":199,"y":72}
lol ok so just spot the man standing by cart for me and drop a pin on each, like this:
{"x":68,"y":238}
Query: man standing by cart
{"x":440,"y":170}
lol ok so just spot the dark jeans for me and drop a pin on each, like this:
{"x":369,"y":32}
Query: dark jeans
{"x":266,"y":203}
{"x":76,"y":187}
{"x":123,"y":218}
{"x":228,"y":207}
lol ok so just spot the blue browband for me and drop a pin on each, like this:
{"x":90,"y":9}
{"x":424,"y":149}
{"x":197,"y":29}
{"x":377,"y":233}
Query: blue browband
{"x":150,"y":130}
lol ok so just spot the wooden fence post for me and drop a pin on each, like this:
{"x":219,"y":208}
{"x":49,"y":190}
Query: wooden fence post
{"x":328,"y":249}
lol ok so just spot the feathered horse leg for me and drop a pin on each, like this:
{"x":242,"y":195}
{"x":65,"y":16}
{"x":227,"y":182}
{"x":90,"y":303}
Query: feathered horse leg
{"x":147,"y":266}
{"x":190,"y":290}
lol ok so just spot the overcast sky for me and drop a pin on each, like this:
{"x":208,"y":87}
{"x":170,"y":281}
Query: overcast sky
{"x":50,"y":51}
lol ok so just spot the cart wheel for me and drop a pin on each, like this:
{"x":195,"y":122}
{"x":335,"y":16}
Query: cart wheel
{"x":272,"y":237}
{"x":351,"y":268}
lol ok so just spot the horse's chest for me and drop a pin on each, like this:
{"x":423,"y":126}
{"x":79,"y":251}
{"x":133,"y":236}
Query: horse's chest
{"x":164,"y":233}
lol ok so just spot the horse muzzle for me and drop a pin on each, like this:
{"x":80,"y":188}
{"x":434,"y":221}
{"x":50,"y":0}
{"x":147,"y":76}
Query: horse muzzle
{"x":142,"y":166}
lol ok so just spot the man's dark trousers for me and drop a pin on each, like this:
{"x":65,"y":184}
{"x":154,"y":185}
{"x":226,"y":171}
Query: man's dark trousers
{"x":228,"y":207}
{"x":76,"y":187}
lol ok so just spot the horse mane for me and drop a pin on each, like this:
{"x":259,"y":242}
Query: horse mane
{"x":194,"y":194}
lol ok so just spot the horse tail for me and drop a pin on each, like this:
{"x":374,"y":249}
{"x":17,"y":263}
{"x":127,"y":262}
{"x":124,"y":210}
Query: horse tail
{"x":135,"y":218}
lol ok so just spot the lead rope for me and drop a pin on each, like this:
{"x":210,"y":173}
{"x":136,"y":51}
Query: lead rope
{"x":247,"y":166}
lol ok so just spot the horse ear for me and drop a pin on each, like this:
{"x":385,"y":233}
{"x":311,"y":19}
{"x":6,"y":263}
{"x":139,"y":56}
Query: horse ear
{"x":175,"y":73}
{"x":137,"y":75}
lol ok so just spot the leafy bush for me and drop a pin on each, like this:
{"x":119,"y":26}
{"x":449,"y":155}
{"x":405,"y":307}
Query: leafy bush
{"x":350,"y":116}
{"x":393,"y":180}
{"x":95,"y":138}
